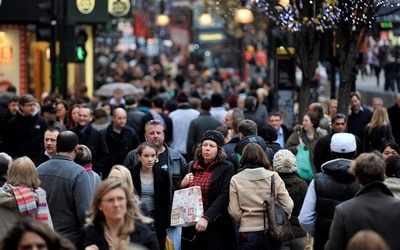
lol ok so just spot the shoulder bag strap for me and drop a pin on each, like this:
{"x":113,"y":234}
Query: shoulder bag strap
{"x":272,"y":195}
{"x":272,"y":186}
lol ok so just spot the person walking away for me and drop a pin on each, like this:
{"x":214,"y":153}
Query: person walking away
{"x":68,"y":188}
{"x":248,"y":189}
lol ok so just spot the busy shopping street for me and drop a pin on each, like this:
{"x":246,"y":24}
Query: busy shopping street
{"x":199,"y":124}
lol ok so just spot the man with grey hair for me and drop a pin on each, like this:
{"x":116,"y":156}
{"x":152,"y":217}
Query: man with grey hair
{"x":5,"y":161}
{"x":377,"y":103}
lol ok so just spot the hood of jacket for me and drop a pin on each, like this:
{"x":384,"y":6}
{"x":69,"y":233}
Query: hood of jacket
{"x":338,"y":168}
{"x":249,"y":139}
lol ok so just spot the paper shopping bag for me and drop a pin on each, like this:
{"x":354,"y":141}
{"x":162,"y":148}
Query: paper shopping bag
{"x":187,"y":207}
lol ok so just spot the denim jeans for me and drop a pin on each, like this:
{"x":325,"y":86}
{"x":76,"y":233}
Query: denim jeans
{"x":295,"y":244}
{"x":257,"y":241}
{"x":175,"y":236}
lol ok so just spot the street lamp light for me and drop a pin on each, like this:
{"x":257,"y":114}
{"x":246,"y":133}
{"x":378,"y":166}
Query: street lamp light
{"x":243,"y":15}
{"x":162,"y":18}
{"x":206,"y":19}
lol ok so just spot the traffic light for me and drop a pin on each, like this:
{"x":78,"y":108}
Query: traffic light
{"x":80,"y":40}
{"x":43,"y":28}
{"x":285,"y":72}
{"x":386,"y":25}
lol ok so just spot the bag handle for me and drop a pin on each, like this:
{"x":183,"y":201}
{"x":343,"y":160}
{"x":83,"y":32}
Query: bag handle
{"x":272,"y":195}
{"x":272,"y":186}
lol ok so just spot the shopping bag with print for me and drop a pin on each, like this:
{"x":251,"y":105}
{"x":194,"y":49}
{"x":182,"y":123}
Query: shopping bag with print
{"x":187,"y":207}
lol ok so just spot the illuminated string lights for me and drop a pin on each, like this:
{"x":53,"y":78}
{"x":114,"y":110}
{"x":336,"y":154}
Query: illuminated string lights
{"x":318,"y":14}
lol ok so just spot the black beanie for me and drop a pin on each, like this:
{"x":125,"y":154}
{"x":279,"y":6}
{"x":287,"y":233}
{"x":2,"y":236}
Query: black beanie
{"x":214,"y":135}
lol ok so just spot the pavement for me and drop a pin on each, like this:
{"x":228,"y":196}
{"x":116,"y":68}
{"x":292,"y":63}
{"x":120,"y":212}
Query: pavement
{"x":368,"y":88}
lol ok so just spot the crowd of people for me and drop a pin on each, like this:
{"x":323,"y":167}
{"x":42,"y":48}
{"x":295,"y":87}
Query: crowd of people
{"x":101,"y":173}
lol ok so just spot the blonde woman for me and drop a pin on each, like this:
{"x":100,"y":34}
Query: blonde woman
{"x":331,"y":109}
{"x":121,"y":172}
{"x":378,"y":131}
{"x":115,"y":220}
{"x":21,"y":196}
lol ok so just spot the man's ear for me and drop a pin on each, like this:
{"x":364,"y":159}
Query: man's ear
{"x":240,"y":135}
{"x":76,"y":148}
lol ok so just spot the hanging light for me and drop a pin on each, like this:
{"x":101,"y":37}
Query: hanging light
{"x":244,"y":15}
{"x":206,"y":19}
{"x":162,"y":18}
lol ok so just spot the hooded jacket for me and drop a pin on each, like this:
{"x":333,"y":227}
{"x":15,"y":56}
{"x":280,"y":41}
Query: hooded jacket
{"x":332,"y":187}
{"x":237,"y":156}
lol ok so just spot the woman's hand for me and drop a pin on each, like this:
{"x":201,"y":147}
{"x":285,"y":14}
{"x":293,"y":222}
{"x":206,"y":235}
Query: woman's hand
{"x":92,"y":247}
{"x":202,"y":225}
{"x":187,"y":180}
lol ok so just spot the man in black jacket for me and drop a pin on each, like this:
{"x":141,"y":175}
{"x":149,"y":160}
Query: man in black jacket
{"x":93,"y":139}
{"x":328,"y":189}
{"x":120,"y":138}
{"x":24,"y":134}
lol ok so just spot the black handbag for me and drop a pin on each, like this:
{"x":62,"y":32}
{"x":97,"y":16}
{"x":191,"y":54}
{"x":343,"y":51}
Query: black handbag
{"x":279,"y":227}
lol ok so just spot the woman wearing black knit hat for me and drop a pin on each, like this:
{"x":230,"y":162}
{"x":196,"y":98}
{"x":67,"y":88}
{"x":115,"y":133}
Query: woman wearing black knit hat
{"x":212,"y":173}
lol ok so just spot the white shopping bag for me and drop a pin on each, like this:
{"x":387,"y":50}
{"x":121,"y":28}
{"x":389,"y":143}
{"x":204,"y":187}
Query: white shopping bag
{"x":187,"y":207}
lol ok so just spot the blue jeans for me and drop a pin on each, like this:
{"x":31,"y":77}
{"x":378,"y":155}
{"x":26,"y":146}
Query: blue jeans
{"x":295,"y":244}
{"x":175,"y":237}
{"x":257,"y":241}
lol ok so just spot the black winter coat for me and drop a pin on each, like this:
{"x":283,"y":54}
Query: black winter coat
{"x":119,"y":145}
{"x":24,"y":136}
{"x":297,"y":189}
{"x":332,"y":187}
{"x":219,"y":234}
{"x":162,"y":202}
{"x":96,"y":142}
{"x":142,"y":236}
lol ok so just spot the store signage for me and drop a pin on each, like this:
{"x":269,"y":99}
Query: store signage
{"x":85,"y":6}
{"x":119,"y":8}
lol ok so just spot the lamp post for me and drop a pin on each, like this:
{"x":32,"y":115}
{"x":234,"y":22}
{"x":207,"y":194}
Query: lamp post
{"x":162,"y":20}
{"x":243,"y":16}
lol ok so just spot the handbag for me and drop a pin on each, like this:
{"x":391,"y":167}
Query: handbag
{"x":169,"y":245}
{"x":304,"y":167}
{"x":187,"y":207}
{"x":279,"y":227}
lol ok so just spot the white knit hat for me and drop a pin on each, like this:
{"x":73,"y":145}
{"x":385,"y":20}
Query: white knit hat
{"x":285,"y":161}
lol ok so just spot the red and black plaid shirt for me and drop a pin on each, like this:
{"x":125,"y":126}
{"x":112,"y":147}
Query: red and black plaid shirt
{"x":202,"y":178}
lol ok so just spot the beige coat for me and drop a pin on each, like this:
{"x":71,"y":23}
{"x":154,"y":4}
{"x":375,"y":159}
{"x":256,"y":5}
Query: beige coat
{"x":248,"y":190}
{"x":394,"y":186}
